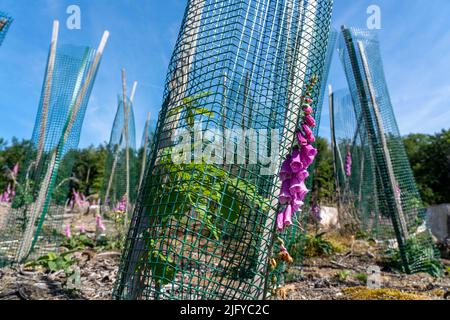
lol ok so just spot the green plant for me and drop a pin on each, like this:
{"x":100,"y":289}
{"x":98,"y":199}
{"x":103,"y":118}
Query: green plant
{"x":109,"y":243}
{"x":419,"y":256}
{"x":362,"y":277}
{"x":317,"y":246}
{"x":210,"y":192}
{"x":190,"y":106}
{"x":161,"y":266}
{"x":362,"y":235}
{"x":53,"y":262}
{"x":78,"y":242}
{"x":342,"y":275}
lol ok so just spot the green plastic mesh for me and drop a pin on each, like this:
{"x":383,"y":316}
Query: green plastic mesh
{"x":376,"y":182}
{"x":296,"y":236}
{"x":144,"y":152}
{"x":114,"y":188}
{"x":5,"y":23}
{"x":205,"y":230}
{"x":35,"y":221}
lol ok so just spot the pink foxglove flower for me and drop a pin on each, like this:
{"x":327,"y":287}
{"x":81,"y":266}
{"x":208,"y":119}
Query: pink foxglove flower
{"x":288,"y":216}
{"x":82,"y":229}
{"x":296,"y":203}
{"x":280,"y":221}
{"x":308,"y":153}
{"x":308,"y":110}
{"x":348,"y":163}
{"x":296,"y":163}
{"x":309,"y":121}
{"x":68,"y":232}
{"x":302,"y":175}
{"x":296,"y":186}
{"x":315,"y":212}
{"x":308,"y":133}
{"x":285,"y":196}
{"x":15,"y":170}
{"x":299,"y":190}
{"x":301,"y":139}
{"x":122,"y":205}
{"x":286,"y":171}
{"x":308,"y":100}
{"x":99,"y":223}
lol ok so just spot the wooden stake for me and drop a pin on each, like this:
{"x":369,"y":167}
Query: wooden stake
{"x":47,"y":91}
{"x":144,"y":154}
{"x":127,"y":150}
{"x":288,"y":135}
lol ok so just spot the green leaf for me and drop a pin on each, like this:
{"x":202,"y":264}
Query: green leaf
{"x":53,"y":266}
{"x":52,"y":256}
{"x":162,"y":268}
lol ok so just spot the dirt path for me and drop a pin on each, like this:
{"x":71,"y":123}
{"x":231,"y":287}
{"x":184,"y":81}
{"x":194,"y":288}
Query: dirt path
{"x":339,"y":277}
{"x":344,"y":277}
{"x":97,"y":276}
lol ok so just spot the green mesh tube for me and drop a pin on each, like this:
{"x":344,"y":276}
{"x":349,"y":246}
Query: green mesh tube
{"x":381,"y":183}
{"x":35,"y":222}
{"x":115,"y":179}
{"x":144,"y":152}
{"x":5,"y":23}
{"x":205,"y":230}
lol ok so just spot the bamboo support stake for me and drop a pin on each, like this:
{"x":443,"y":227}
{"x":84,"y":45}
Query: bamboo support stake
{"x":117,"y":151}
{"x":47,"y":91}
{"x":288,"y":135}
{"x":387,"y":156}
{"x":333,"y":143}
{"x":144,"y":151}
{"x":133,"y":92}
{"x":41,"y":204}
{"x":127,"y":150}
{"x":178,"y":85}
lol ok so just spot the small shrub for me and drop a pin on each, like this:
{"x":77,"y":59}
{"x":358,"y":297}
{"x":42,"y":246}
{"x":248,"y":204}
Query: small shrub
{"x":53,"y":262}
{"x":361,"y":277}
{"x":362,"y":235}
{"x":342,"y":275}
{"x":420,"y":253}
{"x":78,"y":242}
{"x":317,"y":246}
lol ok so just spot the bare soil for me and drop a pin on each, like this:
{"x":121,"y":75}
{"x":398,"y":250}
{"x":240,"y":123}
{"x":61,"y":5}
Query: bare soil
{"x":338,"y":277}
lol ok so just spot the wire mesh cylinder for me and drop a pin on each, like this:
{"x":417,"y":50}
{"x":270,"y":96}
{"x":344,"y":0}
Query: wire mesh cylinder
{"x":203,"y":230}
{"x":391,"y":207}
{"x":122,"y":140}
{"x":5,"y":23}
{"x":38,"y":209}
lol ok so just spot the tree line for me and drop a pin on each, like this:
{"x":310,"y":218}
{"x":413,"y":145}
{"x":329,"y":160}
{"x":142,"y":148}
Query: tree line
{"x":429,"y":156}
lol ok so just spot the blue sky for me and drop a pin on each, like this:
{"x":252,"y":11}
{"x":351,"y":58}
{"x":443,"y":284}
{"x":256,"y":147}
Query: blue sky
{"x":414,"y":35}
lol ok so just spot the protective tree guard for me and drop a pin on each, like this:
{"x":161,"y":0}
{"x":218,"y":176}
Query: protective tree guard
{"x":35,"y":220}
{"x":121,"y":172}
{"x":375,"y":179}
{"x":203,"y":230}
{"x":5,"y":23}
